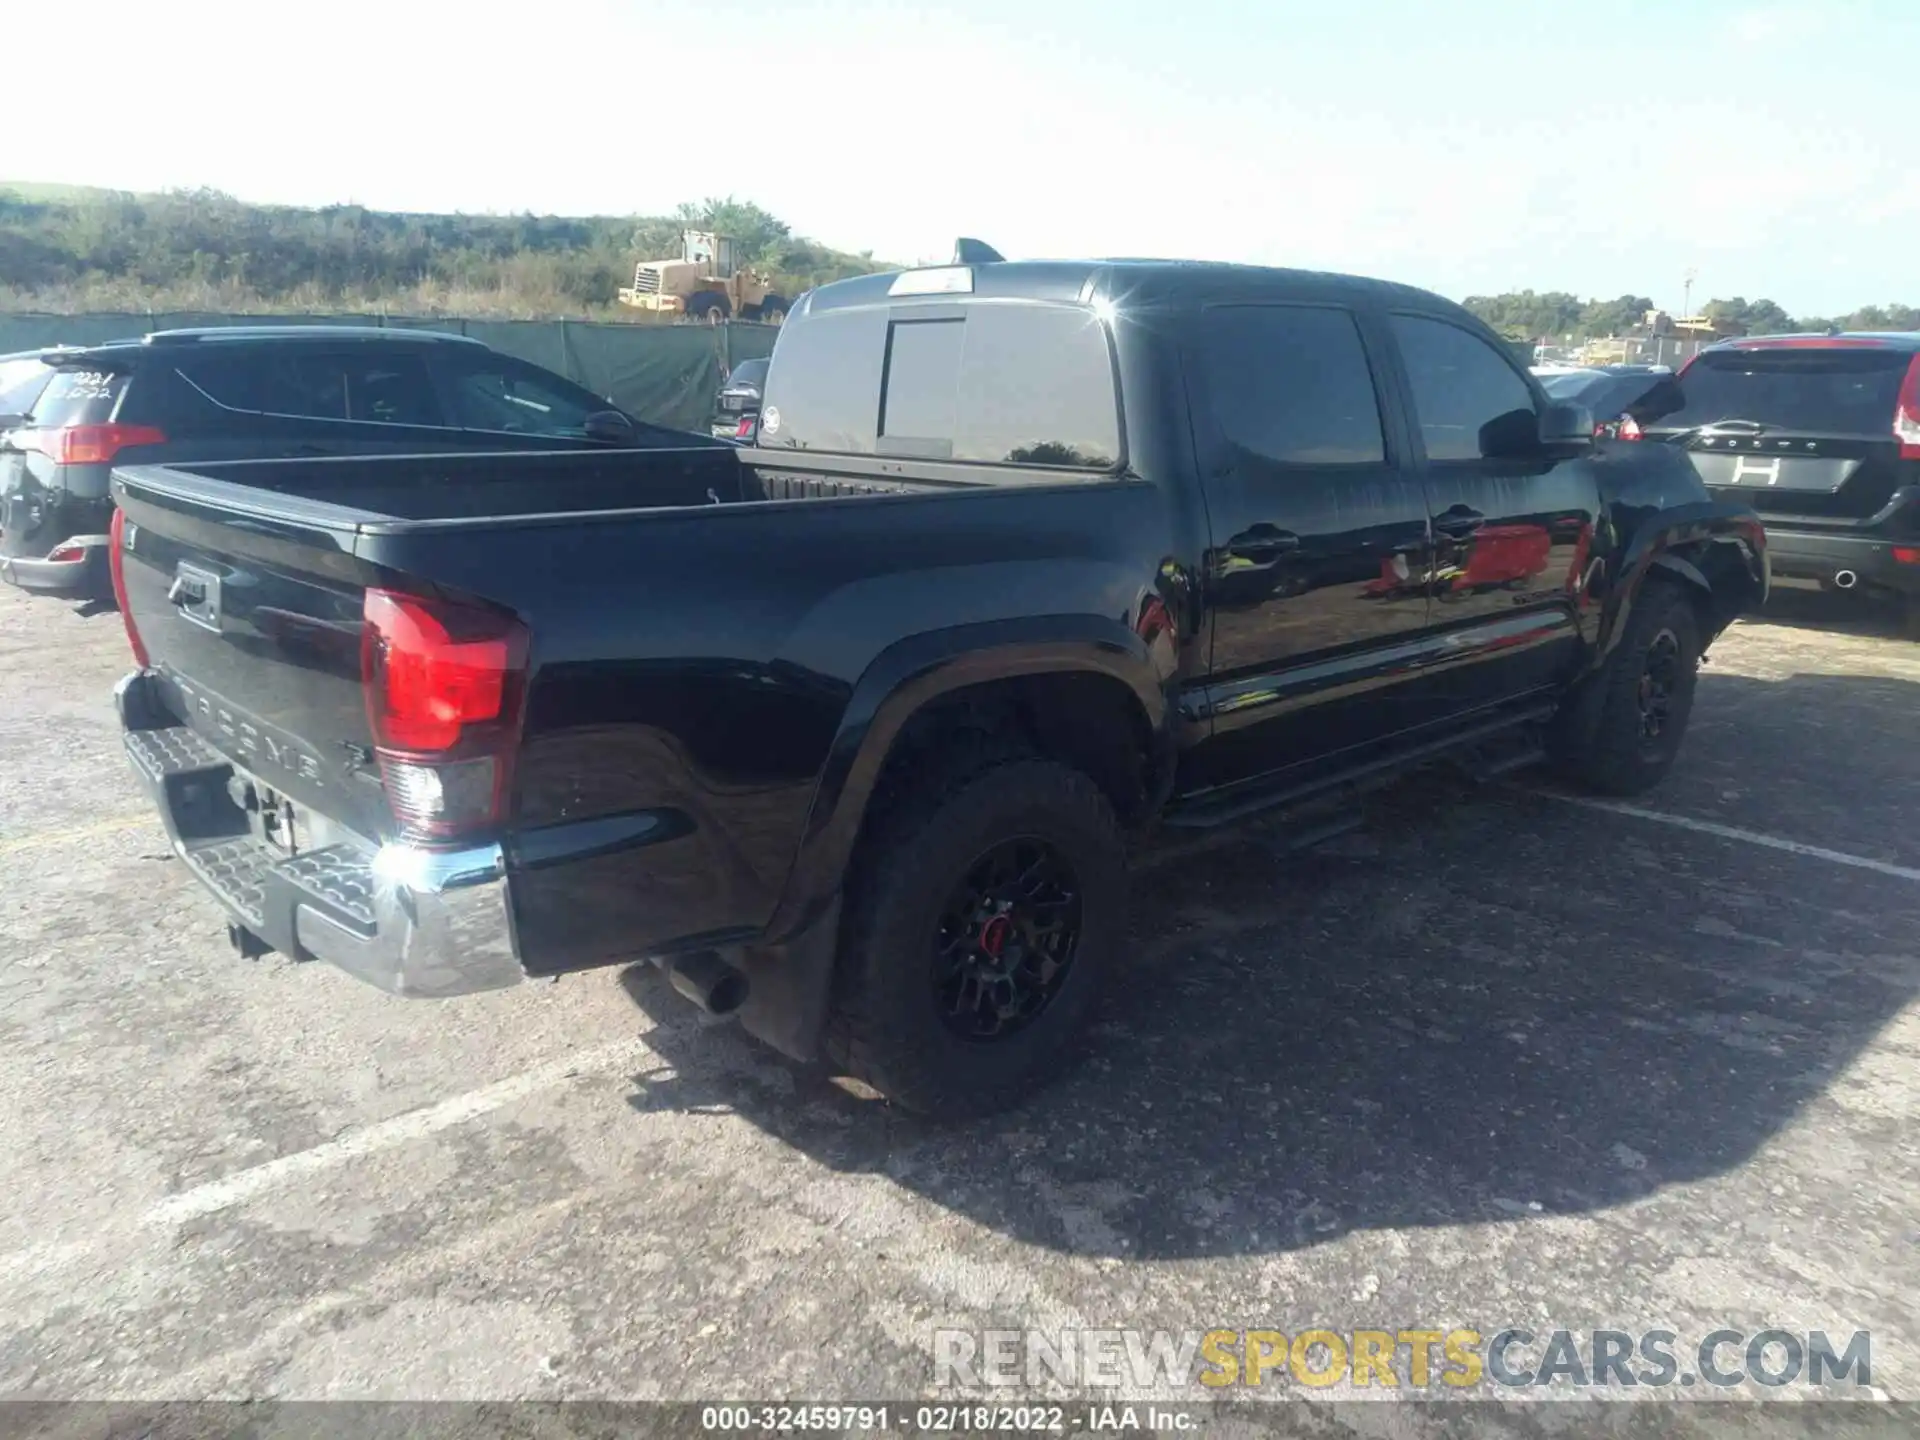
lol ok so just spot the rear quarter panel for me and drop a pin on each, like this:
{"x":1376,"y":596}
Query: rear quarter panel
{"x":694,"y":670}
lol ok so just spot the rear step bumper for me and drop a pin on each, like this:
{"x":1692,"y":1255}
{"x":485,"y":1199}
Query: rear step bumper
{"x":412,"y":921}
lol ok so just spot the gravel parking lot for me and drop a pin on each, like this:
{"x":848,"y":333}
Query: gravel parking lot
{"x":1497,"y":1058}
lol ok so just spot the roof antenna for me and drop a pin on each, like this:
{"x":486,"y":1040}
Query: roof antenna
{"x":968,"y":251}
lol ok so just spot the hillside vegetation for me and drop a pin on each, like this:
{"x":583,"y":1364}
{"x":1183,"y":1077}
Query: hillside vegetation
{"x":1554,"y":314}
{"x":66,"y":249}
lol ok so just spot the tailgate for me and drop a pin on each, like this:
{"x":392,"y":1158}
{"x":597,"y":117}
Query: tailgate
{"x":1798,"y":430}
{"x":1803,"y":476}
{"x":253,"y":622}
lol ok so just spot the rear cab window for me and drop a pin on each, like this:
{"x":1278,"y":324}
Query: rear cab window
{"x":1014,"y":383}
{"x":1833,"y":390}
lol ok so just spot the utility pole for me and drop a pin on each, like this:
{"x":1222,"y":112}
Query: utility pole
{"x":1686,"y":295}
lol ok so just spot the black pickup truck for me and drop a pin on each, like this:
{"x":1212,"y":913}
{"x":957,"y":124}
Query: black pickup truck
{"x":850,"y":730}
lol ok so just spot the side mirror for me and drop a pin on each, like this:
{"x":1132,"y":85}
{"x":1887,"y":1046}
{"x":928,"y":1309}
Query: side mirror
{"x":1566,"y":429}
{"x":14,"y":422}
{"x":610,"y":427}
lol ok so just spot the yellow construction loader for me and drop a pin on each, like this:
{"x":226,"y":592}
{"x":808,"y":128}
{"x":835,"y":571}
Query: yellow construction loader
{"x":705,"y":285}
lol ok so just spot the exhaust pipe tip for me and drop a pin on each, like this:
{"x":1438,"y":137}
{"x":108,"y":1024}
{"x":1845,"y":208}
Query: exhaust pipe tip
{"x":1845,"y":579}
{"x":709,"y":982}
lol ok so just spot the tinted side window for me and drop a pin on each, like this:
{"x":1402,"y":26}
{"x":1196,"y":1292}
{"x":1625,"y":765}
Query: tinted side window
{"x":265,"y":383}
{"x":392,"y":390}
{"x":1290,"y":383}
{"x":384,"y":389}
{"x":1461,"y":386}
{"x":505,"y":396}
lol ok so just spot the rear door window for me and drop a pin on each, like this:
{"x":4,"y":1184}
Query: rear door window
{"x":1840,"y":391}
{"x":1291,"y":384}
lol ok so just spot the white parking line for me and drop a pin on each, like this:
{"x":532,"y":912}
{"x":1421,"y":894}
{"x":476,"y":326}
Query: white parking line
{"x":1733,"y":832}
{"x":244,"y":1185}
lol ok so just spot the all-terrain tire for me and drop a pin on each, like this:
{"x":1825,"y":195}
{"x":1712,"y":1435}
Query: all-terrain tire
{"x":887,"y":1027}
{"x":1606,"y":738}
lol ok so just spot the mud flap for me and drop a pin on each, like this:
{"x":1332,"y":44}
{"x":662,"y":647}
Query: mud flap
{"x":789,"y":987}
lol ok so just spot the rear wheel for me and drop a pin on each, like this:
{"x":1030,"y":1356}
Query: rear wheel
{"x":1621,"y":733}
{"x":773,"y":309}
{"x":985,"y":903}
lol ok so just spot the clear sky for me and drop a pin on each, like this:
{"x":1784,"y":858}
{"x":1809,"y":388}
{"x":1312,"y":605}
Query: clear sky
{"x":1467,"y":145}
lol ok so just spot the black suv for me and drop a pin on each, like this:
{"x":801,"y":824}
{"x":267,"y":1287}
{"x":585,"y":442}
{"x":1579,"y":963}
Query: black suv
{"x":255,"y":392}
{"x":1821,"y":435}
{"x":736,"y":409}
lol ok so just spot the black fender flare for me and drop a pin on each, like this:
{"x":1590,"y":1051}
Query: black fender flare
{"x":919,"y":670}
{"x":1657,"y":546}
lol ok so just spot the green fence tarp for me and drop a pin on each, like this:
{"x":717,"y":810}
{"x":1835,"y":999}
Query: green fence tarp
{"x":665,"y":374}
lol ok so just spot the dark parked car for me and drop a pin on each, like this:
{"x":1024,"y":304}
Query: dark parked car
{"x":850,"y":729}
{"x":1821,"y":434}
{"x":736,"y":409}
{"x":259,"y":391}
{"x":1616,"y":394}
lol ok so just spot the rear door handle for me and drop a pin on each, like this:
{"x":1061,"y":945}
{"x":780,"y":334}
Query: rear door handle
{"x":1458,"y":521}
{"x":1262,"y":543}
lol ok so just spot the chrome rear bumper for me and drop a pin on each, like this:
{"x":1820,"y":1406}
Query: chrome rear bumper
{"x":410,"y":920}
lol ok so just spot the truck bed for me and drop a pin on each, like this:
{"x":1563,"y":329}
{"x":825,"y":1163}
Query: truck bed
{"x":696,"y":627}
{"x":401,"y":492}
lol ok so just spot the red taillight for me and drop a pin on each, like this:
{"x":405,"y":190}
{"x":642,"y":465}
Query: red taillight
{"x":1906,"y":413}
{"x":1629,"y":429}
{"x":1907,"y":554}
{"x":745,"y":431}
{"x":443,"y":687}
{"x":117,"y":568}
{"x":88,"y":444}
{"x":67,"y":554}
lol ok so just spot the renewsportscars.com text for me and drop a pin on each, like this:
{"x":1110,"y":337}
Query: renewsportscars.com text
{"x":1509,"y":1358}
